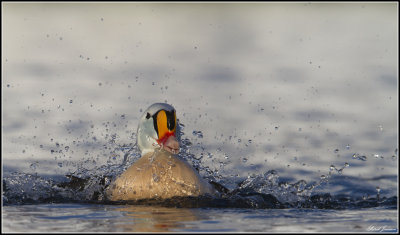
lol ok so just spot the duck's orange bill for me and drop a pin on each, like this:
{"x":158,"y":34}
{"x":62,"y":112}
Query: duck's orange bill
{"x":163,"y":124}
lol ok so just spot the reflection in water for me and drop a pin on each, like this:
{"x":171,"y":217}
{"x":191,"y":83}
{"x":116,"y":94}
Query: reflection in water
{"x":154,"y":219}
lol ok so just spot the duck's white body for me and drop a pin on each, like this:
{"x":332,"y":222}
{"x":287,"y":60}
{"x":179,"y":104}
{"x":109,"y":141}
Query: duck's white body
{"x":159,"y":173}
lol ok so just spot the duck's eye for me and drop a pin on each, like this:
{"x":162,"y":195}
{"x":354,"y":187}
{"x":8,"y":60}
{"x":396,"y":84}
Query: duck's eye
{"x":148,"y":116}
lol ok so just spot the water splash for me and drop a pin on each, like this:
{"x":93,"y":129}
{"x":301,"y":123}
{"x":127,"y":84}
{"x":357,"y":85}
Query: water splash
{"x":87,"y":181}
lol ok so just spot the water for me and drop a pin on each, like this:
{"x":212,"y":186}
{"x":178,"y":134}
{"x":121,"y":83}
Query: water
{"x":292,"y":107}
{"x":129,"y":218}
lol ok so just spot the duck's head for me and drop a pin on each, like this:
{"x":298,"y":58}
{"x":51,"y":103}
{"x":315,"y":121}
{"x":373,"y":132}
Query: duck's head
{"x":157,"y":129}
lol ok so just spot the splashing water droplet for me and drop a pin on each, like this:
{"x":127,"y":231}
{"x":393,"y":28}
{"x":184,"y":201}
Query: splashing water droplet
{"x":198,"y":134}
{"x":358,"y":157}
{"x":378,"y":189}
{"x":34,"y":165}
{"x":156,"y":178}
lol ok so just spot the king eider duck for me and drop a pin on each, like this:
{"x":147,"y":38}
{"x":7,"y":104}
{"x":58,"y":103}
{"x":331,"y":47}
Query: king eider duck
{"x":159,"y":172}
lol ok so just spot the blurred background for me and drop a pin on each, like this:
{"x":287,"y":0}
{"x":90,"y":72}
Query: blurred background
{"x":291,"y":87}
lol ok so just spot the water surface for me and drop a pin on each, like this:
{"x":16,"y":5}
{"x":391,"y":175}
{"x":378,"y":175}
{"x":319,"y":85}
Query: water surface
{"x":129,"y":218}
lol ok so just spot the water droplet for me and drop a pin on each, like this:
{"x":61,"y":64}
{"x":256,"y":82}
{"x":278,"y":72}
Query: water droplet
{"x":276,"y":128}
{"x":332,"y":167}
{"x":198,"y":134}
{"x":70,"y":101}
{"x":101,"y":19}
{"x":380,"y":127}
{"x":60,"y":164}
{"x":33,"y":166}
{"x":348,"y":146}
{"x":156,"y":178}
{"x":300,"y":129}
{"x":244,"y":159}
{"x":100,"y":84}
{"x":66,"y":148}
{"x":23,"y":151}
{"x":346,"y":164}
{"x":378,"y":189}
{"x":153,"y":83}
{"x":336,"y":150}
{"x":376,"y":155}
{"x":41,"y":146}
{"x":357,"y":156}
{"x":8,"y":85}
{"x":323,"y":177}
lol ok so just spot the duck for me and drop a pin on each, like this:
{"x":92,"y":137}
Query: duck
{"x":159,"y":172}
